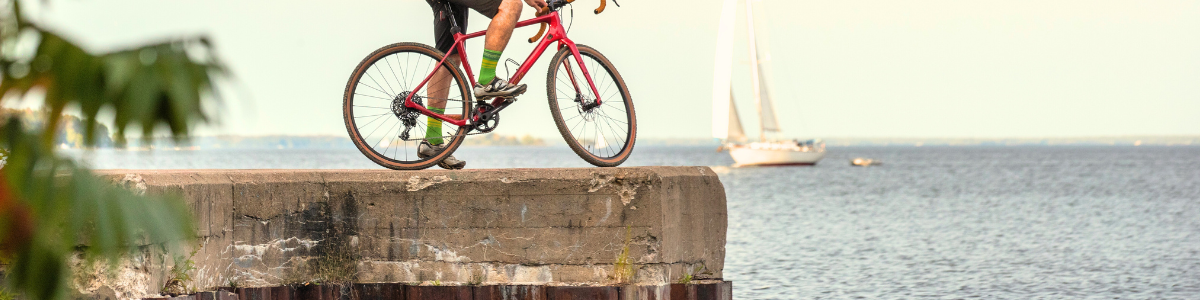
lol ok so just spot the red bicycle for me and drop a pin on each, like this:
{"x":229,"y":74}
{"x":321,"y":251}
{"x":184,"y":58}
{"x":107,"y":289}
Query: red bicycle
{"x":392,"y":90}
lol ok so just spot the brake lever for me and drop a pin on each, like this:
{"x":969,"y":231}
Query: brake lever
{"x":602,"y":4}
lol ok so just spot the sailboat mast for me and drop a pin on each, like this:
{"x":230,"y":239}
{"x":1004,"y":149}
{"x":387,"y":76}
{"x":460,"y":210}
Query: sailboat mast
{"x":754,"y":68}
{"x":723,"y":71}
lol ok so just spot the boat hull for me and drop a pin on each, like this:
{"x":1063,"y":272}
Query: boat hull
{"x":745,"y":156}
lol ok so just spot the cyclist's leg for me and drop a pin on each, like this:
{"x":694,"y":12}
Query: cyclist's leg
{"x":439,"y":88}
{"x":504,"y":15}
{"x":439,"y":85}
{"x":500,"y":29}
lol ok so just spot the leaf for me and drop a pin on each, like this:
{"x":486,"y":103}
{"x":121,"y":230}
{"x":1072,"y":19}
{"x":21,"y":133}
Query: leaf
{"x":165,"y":90}
{"x":70,"y":206}
{"x":74,"y":207}
{"x":41,"y":269}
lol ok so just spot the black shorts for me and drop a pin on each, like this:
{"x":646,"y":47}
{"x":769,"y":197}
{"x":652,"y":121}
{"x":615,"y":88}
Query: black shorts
{"x":442,"y":25}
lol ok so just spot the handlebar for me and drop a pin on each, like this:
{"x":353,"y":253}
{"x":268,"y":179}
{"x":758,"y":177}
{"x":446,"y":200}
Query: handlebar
{"x":556,"y":4}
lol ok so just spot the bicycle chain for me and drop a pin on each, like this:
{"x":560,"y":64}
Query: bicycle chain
{"x":488,"y":116}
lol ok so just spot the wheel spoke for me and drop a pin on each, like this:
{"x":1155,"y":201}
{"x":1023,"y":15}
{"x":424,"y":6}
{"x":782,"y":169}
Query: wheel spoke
{"x":576,"y":126}
{"x":372,"y":106}
{"x":393,"y":141}
{"x":385,"y":81}
{"x":569,"y":107}
{"x":572,"y":118}
{"x":407,"y":65}
{"x":368,"y":116}
{"x":611,"y":118}
{"x":373,"y":97}
{"x":372,"y":121}
{"x":416,"y":80}
{"x":375,"y":88}
{"x":616,"y":134}
{"x":369,"y":135}
{"x":385,"y":136}
{"x":388,"y":62}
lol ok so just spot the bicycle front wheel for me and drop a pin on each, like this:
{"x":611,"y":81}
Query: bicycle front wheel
{"x":381,"y":126}
{"x":603,"y":135}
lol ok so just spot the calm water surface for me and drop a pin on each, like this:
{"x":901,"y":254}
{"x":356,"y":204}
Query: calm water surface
{"x":932,"y":222}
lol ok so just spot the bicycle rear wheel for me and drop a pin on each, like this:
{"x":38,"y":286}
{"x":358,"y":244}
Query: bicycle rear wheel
{"x":373,"y":105}
{"x":602,"y":135}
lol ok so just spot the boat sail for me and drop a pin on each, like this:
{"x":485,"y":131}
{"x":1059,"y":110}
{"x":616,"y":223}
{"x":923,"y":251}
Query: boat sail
{"x":736,"y":134}
{"x":727,"y":124}
{"x":723,"y":73}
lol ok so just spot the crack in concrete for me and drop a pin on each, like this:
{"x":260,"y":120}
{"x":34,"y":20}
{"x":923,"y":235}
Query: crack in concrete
{"x":599,"y":181}
{"x":134,"y":183}
{"x":627,"y":192}
{"x":626,"y":188}
{"x":416,"y":183}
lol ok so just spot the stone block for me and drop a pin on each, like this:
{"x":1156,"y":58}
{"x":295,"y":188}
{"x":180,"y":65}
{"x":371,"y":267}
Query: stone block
{"x":510,"y":227}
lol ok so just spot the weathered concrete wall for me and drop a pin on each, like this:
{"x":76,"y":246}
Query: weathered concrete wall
{"x":643,"y":225}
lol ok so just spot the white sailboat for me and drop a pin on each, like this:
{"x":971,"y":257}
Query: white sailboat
{"x":727,"y":126}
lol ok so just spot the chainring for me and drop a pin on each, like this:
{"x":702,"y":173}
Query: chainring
{"x":488,"y":118}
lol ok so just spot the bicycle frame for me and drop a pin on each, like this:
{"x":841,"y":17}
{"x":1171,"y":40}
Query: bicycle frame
{"x":555,"y":33}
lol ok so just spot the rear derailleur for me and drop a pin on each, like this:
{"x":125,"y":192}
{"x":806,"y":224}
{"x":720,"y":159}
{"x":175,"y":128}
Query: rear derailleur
{"x":408,"y":116}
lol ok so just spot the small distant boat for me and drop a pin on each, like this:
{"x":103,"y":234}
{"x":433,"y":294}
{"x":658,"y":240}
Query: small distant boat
{"x":727,"y":126}
{"x":864,"y":162}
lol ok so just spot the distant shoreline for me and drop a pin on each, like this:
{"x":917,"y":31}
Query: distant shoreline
{"x":919,"y":142}
{"x":338,"y":142}
{"x":1058,"y":141}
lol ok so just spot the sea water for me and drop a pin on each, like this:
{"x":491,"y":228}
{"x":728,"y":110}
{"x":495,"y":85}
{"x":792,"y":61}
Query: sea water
{"x":1046,"y":222}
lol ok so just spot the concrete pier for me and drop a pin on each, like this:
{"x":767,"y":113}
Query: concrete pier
{"x":644,"y":226}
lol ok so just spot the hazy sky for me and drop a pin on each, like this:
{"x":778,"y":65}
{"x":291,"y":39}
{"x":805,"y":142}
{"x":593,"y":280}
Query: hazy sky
{"x":866,"y":68}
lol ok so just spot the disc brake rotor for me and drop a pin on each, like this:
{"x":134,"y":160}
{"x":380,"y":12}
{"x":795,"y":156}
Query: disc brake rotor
{"x":585,"y":107}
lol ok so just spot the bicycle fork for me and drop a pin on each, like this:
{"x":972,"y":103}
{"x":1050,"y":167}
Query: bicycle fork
{"x":578,"y":93}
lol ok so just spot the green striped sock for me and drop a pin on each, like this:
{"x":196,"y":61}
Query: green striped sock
{"x":487,"y":69}
{"x":433,"y":132}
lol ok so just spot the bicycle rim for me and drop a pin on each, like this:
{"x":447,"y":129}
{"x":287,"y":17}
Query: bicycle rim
{"x":373,"y":105}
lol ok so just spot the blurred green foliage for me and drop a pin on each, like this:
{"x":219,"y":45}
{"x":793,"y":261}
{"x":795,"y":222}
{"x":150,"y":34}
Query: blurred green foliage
{"x":50,"y":207}
{"x":70,"y":130}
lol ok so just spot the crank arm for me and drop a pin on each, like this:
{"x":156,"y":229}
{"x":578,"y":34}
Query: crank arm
{"x":496,"y":110}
